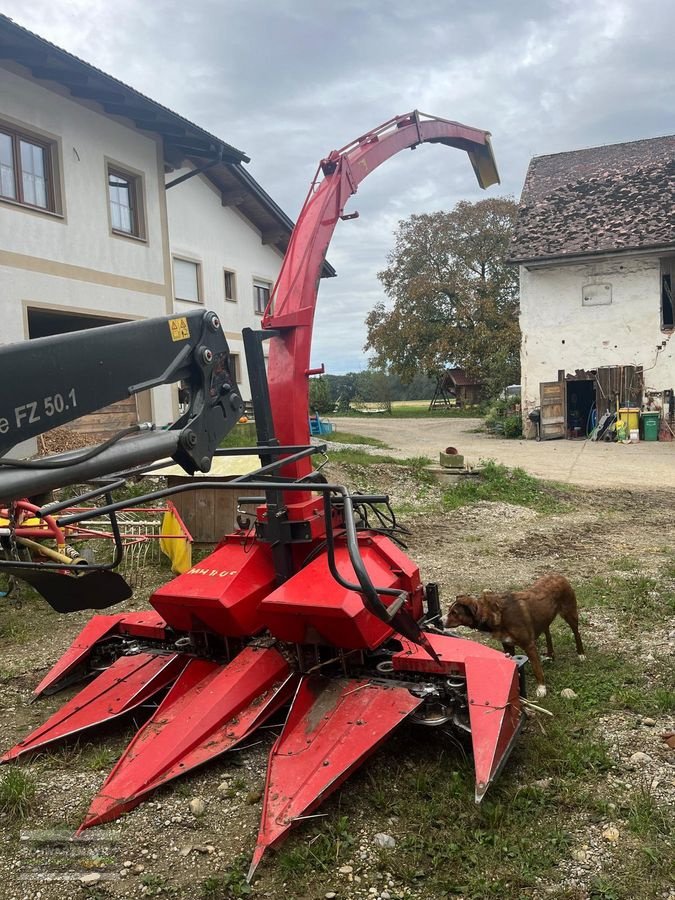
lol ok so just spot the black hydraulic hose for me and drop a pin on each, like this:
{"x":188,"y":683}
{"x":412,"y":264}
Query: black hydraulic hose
{"x":204,"y":485}
{"x":396,"y":616}
{"x":365,"y":586}
{"x":55,"y":463}
{"x":121,"y":477}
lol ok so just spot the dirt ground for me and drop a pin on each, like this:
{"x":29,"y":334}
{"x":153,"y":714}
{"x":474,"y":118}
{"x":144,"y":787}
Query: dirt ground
{"x":644,"y":464}
{"x":161,"y":849}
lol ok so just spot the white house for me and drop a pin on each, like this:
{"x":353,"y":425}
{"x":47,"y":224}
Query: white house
{"x":218,"y":257}
{"x":595,"y":244}
{"x":112,"y":207}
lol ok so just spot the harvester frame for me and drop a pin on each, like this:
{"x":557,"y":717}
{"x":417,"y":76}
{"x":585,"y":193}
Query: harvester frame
{"x":320,"y":611}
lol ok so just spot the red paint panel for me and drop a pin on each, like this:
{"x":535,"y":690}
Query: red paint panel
{"x":97,"y":628}
{"x":495,"y":715}
{"x":295,"y":293}
{"x":332,"y":727}
{"x":452,"y":652}
{"x":210,"y":708}
{"x":143,"y":625}
{"x":129,"y":682}
{"x":311,"y":607}
{"x":493,"y":693}
{"x":222,"y":593}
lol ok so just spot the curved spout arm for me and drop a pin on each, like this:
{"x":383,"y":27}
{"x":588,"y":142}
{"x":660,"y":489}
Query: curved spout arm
{"x":293,"y":301}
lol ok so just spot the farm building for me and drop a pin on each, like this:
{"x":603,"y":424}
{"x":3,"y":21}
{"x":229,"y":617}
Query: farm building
{"x":113,"y":207}
{"x":595,"y":245}
{"x":468,"y":391}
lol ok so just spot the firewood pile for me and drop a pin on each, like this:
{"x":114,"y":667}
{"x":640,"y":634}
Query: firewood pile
{"x":60,"y":440}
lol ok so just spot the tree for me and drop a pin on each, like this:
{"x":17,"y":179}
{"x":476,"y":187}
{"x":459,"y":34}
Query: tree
{"x":453,"y":297}
{"x":319,"y":397}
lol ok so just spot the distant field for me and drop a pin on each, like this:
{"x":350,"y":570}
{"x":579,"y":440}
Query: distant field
{"x":411,"y":409}
{"x":424,"y":403}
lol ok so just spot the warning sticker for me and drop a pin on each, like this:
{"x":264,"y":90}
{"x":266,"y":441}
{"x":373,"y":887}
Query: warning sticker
{"x":179,"y":329}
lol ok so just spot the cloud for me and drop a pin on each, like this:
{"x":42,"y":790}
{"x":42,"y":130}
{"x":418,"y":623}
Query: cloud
{"x":287,"y":82}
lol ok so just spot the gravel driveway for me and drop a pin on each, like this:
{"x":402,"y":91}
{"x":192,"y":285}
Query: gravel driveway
{"x":645,"y":464}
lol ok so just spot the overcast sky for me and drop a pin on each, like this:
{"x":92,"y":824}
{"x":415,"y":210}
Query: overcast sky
{"x":286,"y":81}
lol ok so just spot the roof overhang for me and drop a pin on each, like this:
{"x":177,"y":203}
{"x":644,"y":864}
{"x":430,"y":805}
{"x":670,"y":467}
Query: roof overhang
{"x":47,"y":62}
{"x":182,"y":140}
{"x":592,"y":256}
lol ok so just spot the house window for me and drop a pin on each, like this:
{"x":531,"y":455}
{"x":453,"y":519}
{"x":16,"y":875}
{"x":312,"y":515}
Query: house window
{"x":125,"y":197}
{"x":667,"y":285}
{"x":230,"y":286}
{"x":26,"y":170}
{"x":235,"y":367}
{"x":261,"y":296}
{"x":186,"y":280}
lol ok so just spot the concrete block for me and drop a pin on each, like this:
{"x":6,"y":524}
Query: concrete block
{"x":451,"y":460}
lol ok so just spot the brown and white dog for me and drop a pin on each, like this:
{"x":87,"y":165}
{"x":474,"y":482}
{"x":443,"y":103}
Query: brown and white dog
{"x":519,"y":617}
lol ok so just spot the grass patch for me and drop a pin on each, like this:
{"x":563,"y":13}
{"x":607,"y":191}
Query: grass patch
{"x":668,"y":570}
{"x":646,"y":817}
{"x":22,"y":621}
{"x":100,"y":758}
{"x":331,"y":842}
{"x":17,"y":793}
{"x":499,"y":483}
{"x":626,"y":564}
{"x":420,"y":790}
{"x":242,"y":435}
{"x":156,"y":885}
{"x":348,"y":437}
{"x":642,"y":874}
{"x":350,"y":457}
{"x":655,"y":702}
{"x":640,"y":599}
{"x":229,"y":884}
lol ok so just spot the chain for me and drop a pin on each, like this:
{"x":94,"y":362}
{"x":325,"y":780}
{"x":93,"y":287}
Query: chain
{"x":14,"y":554}
{"x":13,"y":547}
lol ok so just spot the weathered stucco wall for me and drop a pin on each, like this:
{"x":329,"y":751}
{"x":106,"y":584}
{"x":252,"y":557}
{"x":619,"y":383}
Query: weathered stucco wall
{"x":561,"y":331}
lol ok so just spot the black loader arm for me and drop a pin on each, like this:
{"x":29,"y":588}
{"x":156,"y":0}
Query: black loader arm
{"x":47,"y":382}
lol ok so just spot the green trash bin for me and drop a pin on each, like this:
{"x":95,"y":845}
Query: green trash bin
{"x":650,"y":426}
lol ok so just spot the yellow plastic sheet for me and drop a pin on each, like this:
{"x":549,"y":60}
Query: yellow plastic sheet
{"x":179,"y":551}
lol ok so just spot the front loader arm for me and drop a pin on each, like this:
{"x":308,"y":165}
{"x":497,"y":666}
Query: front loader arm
{"x":291,"y":308}
{"x":47,"y":382}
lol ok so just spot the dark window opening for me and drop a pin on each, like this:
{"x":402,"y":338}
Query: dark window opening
{"x":230,"y":286}
{"x":45,"y":322}
{"x":667,"y":306}
{"x":261,"y":297}
{"x":580,"y":405}
{"x":235,"y":369}
{"x":124,"y":195}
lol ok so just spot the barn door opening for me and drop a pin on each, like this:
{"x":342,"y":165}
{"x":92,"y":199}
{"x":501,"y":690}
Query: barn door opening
{"x":580,"y":407}
{"x":552,"y":405}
